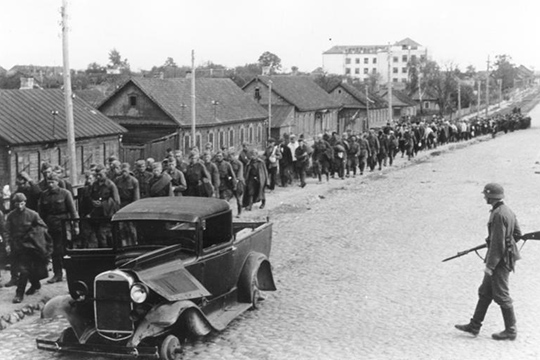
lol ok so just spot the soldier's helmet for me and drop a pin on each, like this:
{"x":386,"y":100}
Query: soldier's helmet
{"x":493,"y":191}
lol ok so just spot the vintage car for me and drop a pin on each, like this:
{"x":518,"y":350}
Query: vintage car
{"x":172,"y":268}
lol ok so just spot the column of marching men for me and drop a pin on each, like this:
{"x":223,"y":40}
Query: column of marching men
{"x":34,"y":225}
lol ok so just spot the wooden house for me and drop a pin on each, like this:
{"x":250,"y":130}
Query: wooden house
{"x":359,"y":112}
{"x":298,"y":104}
{"x":154,"y":108}
{"x":33,"y":130}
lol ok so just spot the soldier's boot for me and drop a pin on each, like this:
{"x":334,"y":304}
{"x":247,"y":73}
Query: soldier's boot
{"x":263,"y":202}
{"x":473,"y":327}
{"x":14,"y":277}
{"x":57,"y":270}
{"x":510,"y":329}
{"x":21,"y":285}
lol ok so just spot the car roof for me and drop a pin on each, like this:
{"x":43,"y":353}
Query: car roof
{"x":177,"y":208}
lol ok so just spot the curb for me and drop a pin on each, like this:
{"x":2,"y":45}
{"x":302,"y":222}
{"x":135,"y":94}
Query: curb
{"x":29,"y":309}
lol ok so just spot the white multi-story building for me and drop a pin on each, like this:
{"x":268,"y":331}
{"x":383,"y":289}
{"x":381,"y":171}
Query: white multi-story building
{"x":361,"y":61}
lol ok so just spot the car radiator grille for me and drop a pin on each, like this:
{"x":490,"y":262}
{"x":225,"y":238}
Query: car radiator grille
{"x":113,"y":306}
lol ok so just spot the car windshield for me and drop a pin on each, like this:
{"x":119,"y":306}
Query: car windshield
{"x":155,"y":232}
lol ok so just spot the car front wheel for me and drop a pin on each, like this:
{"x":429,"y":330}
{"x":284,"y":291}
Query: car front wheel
{"x":171,"y":348}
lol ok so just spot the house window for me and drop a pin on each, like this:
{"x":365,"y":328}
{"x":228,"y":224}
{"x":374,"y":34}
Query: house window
{"x":198,"y":141}
{"x":259,"y":134}
{"x":374,"y":60}
{"x":250,"y":137}
{"x":347,"y":61}
{"x":395,"y":70}
{"x":413,"y":58}
{"x":211,"y":139}
{"x":357,"y":71}
{"x":396,"y":59}
{"x":366,"y":71}
{"x":426,"y":105}
{"x":221,"y":139}
{"x":404,"y":70}
{"x":404,"y":58}
{"x":231,"y":137}
{"x":403,"y":80}
{"x":374,"y":70}
{"x":187,"y":144}
{"x":366,"y":60}
{"x":357,"y":61}
{"x":395,"y":80}
{"x":242,"y":136}
{"x":347,"y":71}
{"x":132,"y":100}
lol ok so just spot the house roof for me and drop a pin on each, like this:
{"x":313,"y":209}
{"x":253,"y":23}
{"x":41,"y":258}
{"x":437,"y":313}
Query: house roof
{"x":374,"y":100}
{"x":355,"y":49}
{"x":280,"y":114}
{"x":426,"y":95}
{"x":407,"y":42}
{"x":399,"y":98}
{"x":26,"y":117}
{"x":218,"y":100}
{"x":300,"y":91}
{"x":92,"y":96}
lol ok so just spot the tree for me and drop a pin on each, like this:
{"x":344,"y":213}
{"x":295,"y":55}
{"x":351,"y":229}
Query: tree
{"x":242,"y":74}
{"x":170,"y":63}
{"x":116,"y":62}
{"x":504,"y":71}
{"x":270,"y":61}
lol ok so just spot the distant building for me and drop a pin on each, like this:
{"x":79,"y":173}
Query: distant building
{"x":34,"y":131}
{"x":299,"y":105}
{"x":363,"y":61}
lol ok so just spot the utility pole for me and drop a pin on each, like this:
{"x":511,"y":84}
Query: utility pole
{"x":269,"y":108}
{"x":459,"y":98}
{"x":487,"y":88}
{"x":390,"y":112}
{"x":72,"y":157}
{"x":478,"y":85}
{"x":193,"y":114}
{"x":367,"y":106}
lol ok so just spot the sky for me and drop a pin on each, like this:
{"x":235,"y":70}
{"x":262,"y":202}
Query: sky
{"x":237,"y":32}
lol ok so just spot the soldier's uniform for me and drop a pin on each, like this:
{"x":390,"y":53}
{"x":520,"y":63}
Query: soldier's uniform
{"x":56,"y":204}
{"x":503,"y":229}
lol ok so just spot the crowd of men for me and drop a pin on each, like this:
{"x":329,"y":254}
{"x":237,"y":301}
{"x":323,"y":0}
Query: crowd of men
{"x":34,"y":226}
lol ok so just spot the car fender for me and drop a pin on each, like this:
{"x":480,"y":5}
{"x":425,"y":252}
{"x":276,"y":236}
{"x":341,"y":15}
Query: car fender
{"x":256,"y":266}
{"x":65,"y":306}
{"x":160,"y":318}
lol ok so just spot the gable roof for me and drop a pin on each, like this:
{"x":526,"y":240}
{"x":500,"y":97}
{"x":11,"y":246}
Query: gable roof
{"x":300,"y":91}
{"x":407,"y":42}
{"x":173,"y":96}
{"x":375,"y":101}
{"x":426,"y":95}
{"x":399,"y":98}
{"x":26,"y":118}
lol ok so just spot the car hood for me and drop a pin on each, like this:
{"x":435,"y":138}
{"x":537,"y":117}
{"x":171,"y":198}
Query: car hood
{"x":165,"y":273}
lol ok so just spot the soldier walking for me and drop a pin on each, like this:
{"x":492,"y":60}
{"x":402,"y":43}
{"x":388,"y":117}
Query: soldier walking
{"x":500,"y":260}
{"x":26,"y":241}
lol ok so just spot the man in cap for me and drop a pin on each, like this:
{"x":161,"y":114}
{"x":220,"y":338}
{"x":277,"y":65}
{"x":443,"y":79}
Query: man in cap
{"x":127,"y":185}
{"x":302,"y":153}
{"x":55,"y":205}
{"x":500,"y":260}
{"x":272,"y":155}
{"x":105,"y":203}
{"x":143,"y":177}
{"x":26,"y":241}
{"x":196,"y":177}
{"x":160,"y":184}
{"x":256,"y":176}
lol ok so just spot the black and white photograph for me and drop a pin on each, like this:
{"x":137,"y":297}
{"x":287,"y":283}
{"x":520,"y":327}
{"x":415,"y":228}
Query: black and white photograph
{"x":284,"y":180}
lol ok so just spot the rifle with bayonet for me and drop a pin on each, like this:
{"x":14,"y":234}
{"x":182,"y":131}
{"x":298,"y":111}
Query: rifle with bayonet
{"x":530,"y":236}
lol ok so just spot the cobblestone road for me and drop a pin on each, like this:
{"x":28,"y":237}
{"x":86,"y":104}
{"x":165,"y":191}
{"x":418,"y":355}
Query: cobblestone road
{"x":359,"y":272}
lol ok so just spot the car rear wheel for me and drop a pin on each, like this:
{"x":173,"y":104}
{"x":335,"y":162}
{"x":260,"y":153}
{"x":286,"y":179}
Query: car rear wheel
{"x":256,"y":295}
{"x":171,"y":348}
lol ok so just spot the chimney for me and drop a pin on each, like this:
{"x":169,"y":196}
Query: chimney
{"x":188,"y":74}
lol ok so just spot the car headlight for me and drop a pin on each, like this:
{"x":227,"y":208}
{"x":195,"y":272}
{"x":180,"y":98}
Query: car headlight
{"x":138,"y":293}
